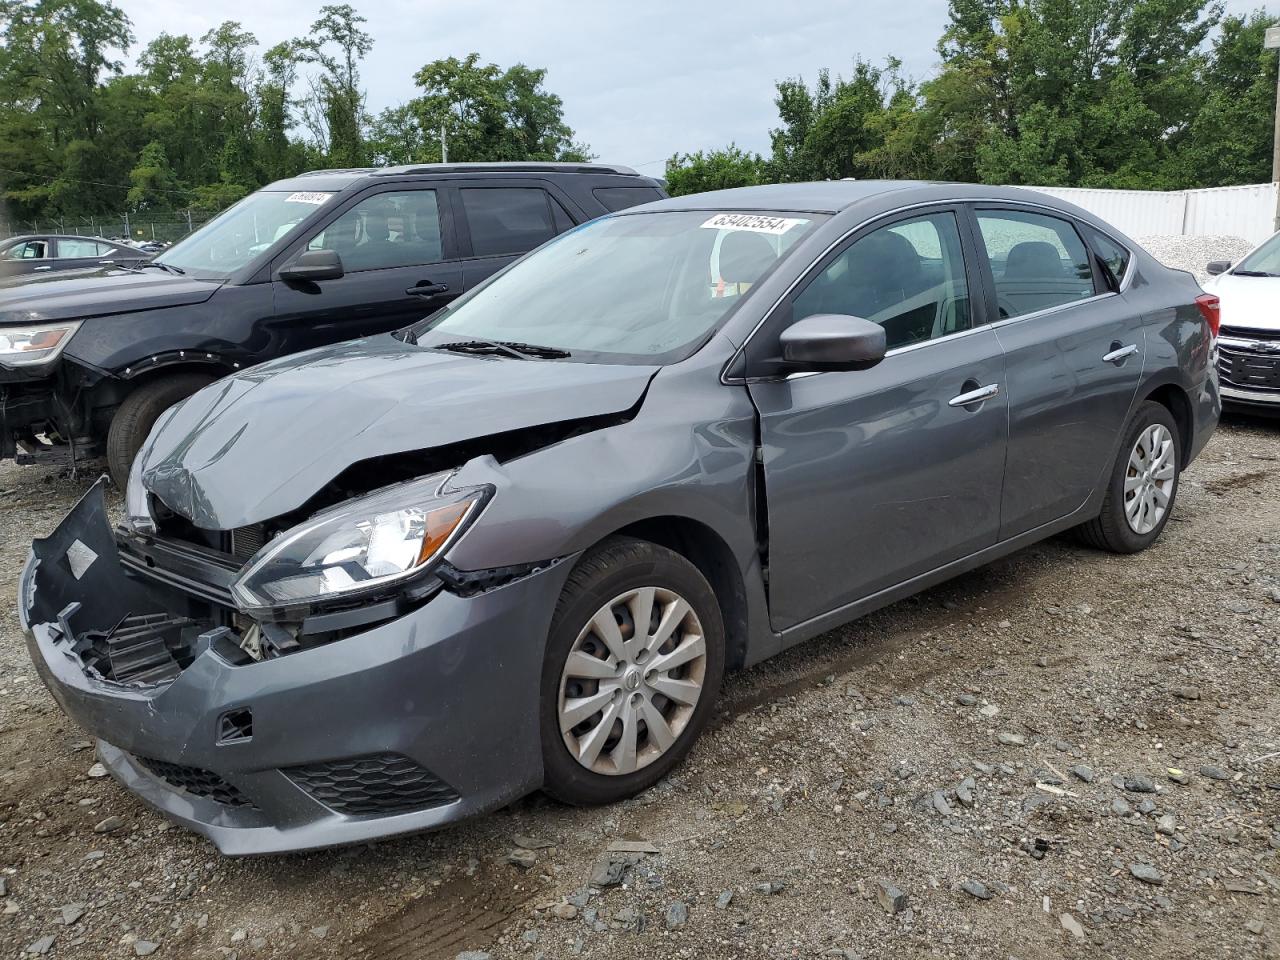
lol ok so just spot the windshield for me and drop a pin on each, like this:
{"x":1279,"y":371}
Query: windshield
{"x":237,"y":235}
{"x":1266,"y":259}
{"x":641,"y":288}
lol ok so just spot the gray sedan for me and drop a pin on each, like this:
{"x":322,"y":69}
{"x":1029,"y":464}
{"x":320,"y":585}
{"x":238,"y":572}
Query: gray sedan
{"x":378,"y":587}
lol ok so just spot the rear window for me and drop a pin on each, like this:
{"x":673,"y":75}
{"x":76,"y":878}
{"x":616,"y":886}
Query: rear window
{"x":506,"y":220}
{"x":1114,"y":256}
{"x":619,"y":198}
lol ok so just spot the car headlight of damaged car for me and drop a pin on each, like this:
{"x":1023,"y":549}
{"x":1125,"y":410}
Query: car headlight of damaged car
{"x":360,"y":547}
{"x":30,"y":346}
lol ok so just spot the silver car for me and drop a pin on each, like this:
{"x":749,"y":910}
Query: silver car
{"x":378,"y":587}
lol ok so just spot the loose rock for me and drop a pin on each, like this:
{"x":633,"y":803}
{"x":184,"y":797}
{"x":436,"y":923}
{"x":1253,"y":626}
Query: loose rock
{"x":976,"y":888}
{"x":893,"y":900}
{"x":145,"y":948}
{"x":1072,"y":926}
{"x":725,"y":898}
{"x":677,"y":915}
{"x":1146,"y":873}
{"x":1214,"y":773}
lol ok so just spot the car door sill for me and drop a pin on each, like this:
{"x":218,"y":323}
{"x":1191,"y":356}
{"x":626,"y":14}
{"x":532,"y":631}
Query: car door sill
{"x":869,"y":604}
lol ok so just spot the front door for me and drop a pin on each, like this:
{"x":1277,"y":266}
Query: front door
{"x":877,"y":476}
{"x":399,"y":265}
{"x":1074,"y":352}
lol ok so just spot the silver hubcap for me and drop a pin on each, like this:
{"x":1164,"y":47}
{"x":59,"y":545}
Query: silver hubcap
{"x":632,"y":680}
{"x":1149,"y":479}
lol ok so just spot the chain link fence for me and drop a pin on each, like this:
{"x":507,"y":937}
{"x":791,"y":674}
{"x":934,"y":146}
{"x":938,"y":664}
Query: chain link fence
{"x":165,"y":227}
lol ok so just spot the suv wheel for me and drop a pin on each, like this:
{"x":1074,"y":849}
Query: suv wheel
{"x":139,"y":413}
{"x":633,"y":666}
{"x":1143,"y":484}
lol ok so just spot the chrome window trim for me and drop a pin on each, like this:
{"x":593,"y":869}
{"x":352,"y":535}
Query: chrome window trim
{"x":728,"y":380}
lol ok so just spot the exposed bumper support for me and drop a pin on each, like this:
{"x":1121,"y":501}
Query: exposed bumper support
{"x":452,"y":688}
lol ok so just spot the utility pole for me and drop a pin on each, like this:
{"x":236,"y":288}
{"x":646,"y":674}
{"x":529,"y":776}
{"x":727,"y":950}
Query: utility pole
{"x":444,"y":146}
{"x":1272,"y":42}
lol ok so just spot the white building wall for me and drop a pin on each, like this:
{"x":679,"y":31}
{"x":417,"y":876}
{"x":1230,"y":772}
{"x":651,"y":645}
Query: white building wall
{"x":1247,"y":212}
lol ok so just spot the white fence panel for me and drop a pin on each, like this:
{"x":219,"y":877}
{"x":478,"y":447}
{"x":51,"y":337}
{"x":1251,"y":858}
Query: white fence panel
{"x":1247,"y":211}
{"x":1139,"y":213}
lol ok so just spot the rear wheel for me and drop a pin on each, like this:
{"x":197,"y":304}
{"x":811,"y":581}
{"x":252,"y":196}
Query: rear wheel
{"x":138,"y":414}
{"x":633,"y":666}
{"x":1143,"y":484}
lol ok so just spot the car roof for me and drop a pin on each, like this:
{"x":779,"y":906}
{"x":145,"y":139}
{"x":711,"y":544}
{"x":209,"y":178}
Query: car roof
{"x":58,"y":236}
{"x":342,"y":178}
{"x":833,"y":196}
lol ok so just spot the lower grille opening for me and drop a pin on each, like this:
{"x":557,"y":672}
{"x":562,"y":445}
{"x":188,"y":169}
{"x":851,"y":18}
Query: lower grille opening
{"x":374,"y":785}
{"x":193,"y":780}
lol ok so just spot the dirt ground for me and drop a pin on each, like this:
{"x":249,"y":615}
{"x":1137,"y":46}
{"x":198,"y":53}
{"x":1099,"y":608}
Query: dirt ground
{"x":905,"y":748}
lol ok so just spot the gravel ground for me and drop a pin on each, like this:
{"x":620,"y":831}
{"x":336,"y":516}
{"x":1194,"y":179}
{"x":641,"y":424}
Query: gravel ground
{"x":1063,"y":754}
{"x":1194,"y":253}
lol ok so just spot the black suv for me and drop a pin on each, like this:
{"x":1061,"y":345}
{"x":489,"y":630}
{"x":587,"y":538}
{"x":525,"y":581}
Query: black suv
{"x":89,"y":362}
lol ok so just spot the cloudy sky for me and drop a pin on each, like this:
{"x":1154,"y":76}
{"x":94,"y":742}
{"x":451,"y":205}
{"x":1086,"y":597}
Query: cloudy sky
{"x":639,"y":81}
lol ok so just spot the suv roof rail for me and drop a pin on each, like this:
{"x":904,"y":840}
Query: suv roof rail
{"x":513,"y":167}
{"x":329,"y":171}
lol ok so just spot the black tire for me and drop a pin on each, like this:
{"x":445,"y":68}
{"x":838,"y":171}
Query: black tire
{"x":605,"y":572}
{"x":138,"y":414}
{"x":1110,"y":530}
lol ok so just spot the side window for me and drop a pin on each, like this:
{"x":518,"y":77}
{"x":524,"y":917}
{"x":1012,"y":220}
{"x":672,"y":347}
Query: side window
{"x":1113,"y":256}
{"x":79,"y":248}
{"x":1037,"y":261}
{"x":507,"y":220}
{"x":386,"y":230}
{"x":31,"y":250}
{"x":619,"y":198}
{"x":908,"y":277}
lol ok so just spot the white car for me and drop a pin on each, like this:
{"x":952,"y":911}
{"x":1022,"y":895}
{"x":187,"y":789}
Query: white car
{"x":1249,"y":338}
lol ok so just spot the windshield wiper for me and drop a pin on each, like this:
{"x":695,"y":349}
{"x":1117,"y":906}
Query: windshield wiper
{"x":1253,"y":273}
{"x":512,"y":348}
{"x":166,"y":267}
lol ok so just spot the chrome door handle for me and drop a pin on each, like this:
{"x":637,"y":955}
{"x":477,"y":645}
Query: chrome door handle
{"x":975,"y":396}
{"x":1115,"y":356}
{"x":44,"y":268}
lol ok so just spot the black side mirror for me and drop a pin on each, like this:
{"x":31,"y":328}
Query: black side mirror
{"x":1216,"y":267}
{"x":313,"y":265}
{"x":832,"y":341}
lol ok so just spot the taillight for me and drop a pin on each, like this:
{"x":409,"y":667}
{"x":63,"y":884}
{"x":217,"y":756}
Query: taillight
{"x":1211,"y":310}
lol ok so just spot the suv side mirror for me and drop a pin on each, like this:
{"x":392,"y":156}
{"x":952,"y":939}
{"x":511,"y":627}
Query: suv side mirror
{"x":832,"y":341}
{"x":313,"y":265}
{"x":1216,"y":267}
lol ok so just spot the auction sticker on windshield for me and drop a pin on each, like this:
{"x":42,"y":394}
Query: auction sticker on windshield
{"x":752,"y":222}
{"x":315,"y":198}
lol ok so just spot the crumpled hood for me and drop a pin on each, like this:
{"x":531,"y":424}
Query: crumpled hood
{"x":261,"y":442}
{"x":1248,"y":301}
{"x":74,"y":294}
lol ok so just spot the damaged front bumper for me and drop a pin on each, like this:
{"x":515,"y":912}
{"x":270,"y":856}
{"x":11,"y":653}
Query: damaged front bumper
{"x":412,"y":724}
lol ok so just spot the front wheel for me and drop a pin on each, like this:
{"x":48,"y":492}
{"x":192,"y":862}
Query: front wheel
{"x":633,"y":666}
{"x":138,"y":414}
{"x":1143,"y":484}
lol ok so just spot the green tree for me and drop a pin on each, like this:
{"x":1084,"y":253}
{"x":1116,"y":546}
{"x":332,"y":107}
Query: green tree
{"x":715,"y":170}
{"x":337,"y":44}
{"x":153,"y":182}
{"x":488,"y":113}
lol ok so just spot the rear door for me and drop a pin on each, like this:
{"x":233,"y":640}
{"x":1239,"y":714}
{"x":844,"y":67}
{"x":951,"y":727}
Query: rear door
{"x":501,"y":220}
{"x":72,"y":253}
{"x":400,"y":263}
{"x":1074,"y":350}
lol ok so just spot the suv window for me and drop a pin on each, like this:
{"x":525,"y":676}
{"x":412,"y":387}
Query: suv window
{"x":507,"y":220}
{"x":386,"y":230}
{"x":1113,"y":256}
{"x":619,"y":198}
{"x":81,"y":248}
{"x":1037,"y":261}
{"x":31,"y":250}
{"x":908,"y":277}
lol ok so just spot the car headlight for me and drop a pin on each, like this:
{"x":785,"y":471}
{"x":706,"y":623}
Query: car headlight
{"x":361,"y":546}
{"x":31,"y":346}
